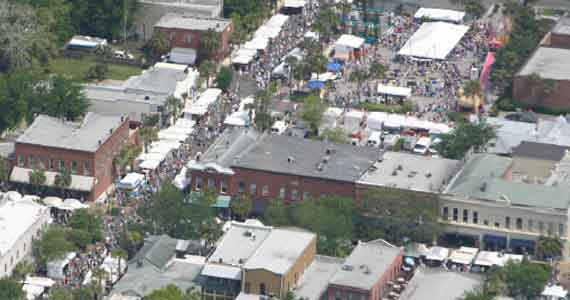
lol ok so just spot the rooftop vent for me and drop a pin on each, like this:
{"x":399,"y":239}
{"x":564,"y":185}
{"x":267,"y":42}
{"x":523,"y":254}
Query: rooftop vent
{"x":347,"y":267}
{"x":400,"y":167}
{"x":395,"y":172}
{"x":428,"y":174}
{"x":325,"y":159}
{"x":291,"y":159}
{"x":110,"y":130}
{"x":483,"y":187}
{"x":320,"y":167}
{"x":330,"y":151}
{"x":248,"y":233}
{"x":147,"y":98}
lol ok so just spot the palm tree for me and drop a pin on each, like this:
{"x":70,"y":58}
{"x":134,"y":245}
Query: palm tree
{"x":157,"y":46}
{"x":548,"y":247}
{"x":4,"y":172}
{"x":262,"y":100}
{"x":37,"y":178}
{"x":148,"y":135}
{"x":62,"y":180}
{"x":359,"y":77}
{"x":318,"y":64}
{"x":301,"y":72}
{"x":210,"y":43}
{"x":207,"y":70}
{"x":172,"y":107}
{"x":377,"y":71}
{"x":120,"y":255}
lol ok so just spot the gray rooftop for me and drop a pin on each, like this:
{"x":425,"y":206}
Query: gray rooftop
{"x":82,"y":136}
{"x":192,"y":22}
{"x":239,"y":243}
{"x":157,"y":80}
{"x":280,"y":250}
{"x":410,"y":171}
{"x":367,"y":263}
{"x":481,"y":179}
{"x":549,"y":63}
{"x":433,"y":283}
{"x":539,"y":151}
{"x":562,"y":27}
{"x":315,"y":280}
{"x":114,"y":94}
{"x":303,"y":157}
{"x":157,"y":250}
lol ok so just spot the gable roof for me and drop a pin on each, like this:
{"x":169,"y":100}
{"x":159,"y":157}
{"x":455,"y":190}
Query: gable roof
{"x":157,"y":250}
{"x":95,"y":128}
{"x":549,"y":63}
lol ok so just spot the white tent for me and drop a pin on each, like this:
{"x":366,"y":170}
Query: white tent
{"x":433,"y":40}
{"x":268,"y":32}
{"x":395,"y":121}
{"x":202,"y":105}
{"x":439,"y":128}
{"x":52,"y":201}
{"x":437,"y":253}
{"x":172,"y":136}
{"x":493,"y":258}
{"x":13,"y":196}
{"x":72,"y":204}
{"x":350,"y":41}
{"x":554,"y":292}
{"x":131,"y":181}
{"x":150,"y":164}
{"x":33,"y":291}
{"x":437,"y":14}
{"x":375,"y":120}
{"x":463,"y":255}
{"x":277,"y":20}
{"x":55,"y":268}
{"x":242,"y":59}
{"x":312,"y":35}
{"x":258,"y":43}
{"x":394,"y":90}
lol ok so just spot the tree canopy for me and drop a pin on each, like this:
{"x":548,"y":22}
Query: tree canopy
{"x":465,"y":136}
{"x":52,"y":245}
{"x":10,"y":289}
{"x":313,"y":110}
{"x":224,"y":79}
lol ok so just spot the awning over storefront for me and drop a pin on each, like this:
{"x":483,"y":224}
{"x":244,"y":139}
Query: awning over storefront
{"x":78,"y":182}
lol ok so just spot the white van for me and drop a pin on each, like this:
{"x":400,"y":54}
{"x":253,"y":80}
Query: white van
{"x":422,"y":145}
{"x":374,"y":139}
{"x":278,"y":127}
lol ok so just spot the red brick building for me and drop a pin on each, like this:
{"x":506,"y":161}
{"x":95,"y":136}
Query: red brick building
{"x":85,"y":149}
{"x":545,"y":79}
{"x":185,"y":31}
{"x":366,"y":272}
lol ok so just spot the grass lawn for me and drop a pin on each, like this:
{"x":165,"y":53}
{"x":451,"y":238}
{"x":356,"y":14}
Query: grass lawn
{"x":77,"y":68}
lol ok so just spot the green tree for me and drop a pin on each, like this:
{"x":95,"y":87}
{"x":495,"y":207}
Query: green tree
{"x":241,"y":206}
{"x":148,"y":135}
{"x":359,"y":77}
{"x":277,"y":214}
{"x":262,"y":103}
{"x":525,"y":280}
{"x":474,"y":8}
{"x":80,"y":238}
{"x":98,"y":72}
{"x":326,"y":24}
{"x":4,"y":171}
{"x":168,"y":211}
{"x":109,"y":19}
{"x":10,"y":289}
{"x":335,"y":135}
{"x":157,"y":46}
{"x":377,"y":71}
{"x":88,"y":222}
{"x":62,"y":180}
{"x":291,"y":62}
{"x":210,"y":43}
{"x":224,"y":79}
{"x":477,"y":294}
{"x":193,"y":294}
{"x":122,"y":256}
{"x":172,"y":107}
{"x":317,"y":64}
{"x":62,"y":97}
{"x":37,"y":178}
{"x":313,"y":110}
{"x":100,"y":276}
{"x":169,"y":292}
{"x":22,"y":269}
{"x":549,"y":247}
{"x":465,"y":136}
{"x":51,"y":246}
{"x":207,"y":69}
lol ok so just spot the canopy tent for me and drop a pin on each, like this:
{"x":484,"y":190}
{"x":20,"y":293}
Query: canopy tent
{"x":277,"y":21}
{"x":13,"y":196}
{"x":39,"y":281}
{"x":311,"y":35}
{"x":180,"y":180}
{"x":395,"y":121}
{"x":375,"y":120}
{"x":323,"y":76}
{"x":72,"y":204}
{"x":437,"y":253}
{"x":433,"y":40}
{"x":55,"y":269}
{"x":33,"y":291}
{"x":172,"y":136}
{"x":150,"y":164}
{"x":350,"y":41}
{"x":131,"y":181}
{"x":151,"y":156}
{"x":463,"y":255}
{"x":391,"y":90}
{"x":204,"y":102}
{"x":268,"y":32}
{"x":334,"y":67}
{"x":439,"y":128}
{"x":52,"y":201}
{"x":316,"y":85}
{"x":242,"y":59}
{"x":492,"y":258}
{"x":30,"y":198}
{"x":436,"y":14}
{"x":238,"y":118}
{"x":554,"y":292}
{"x":258,"y":43}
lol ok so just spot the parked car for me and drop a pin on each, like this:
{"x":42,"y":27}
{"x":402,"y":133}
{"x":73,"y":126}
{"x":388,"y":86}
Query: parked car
{"x":422,"y":145}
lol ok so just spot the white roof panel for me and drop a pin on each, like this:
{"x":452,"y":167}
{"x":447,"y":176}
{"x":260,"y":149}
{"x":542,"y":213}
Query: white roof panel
{"x":395,"y":90}
{"x":433,"y":40}
{"x":437,"y":14}
{"x":351,"y":41}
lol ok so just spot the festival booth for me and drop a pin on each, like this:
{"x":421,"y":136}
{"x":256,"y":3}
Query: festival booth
{"x":487,"y":259}
{"x":433,"y":40}
{"x":462,"y":258}
{"x":375,"y":120}
{"x":293,"y":7}
{"x":114,"y":267}
{"x":35,"y":287}
{"x":394,"y":123}
{"x":352,"y":121}
{"x":244,"y":56}
{"x":267,"y":32}
{"x":277,"y":21}
{"x":257,"y":43}
{"x":554,"y":292}
{"x":311,"y":35}
{"x":56,"y":269}
{"x":436,"y":256}
{"x":348,"y":47}
{"x":392,"y":93}
{"x":203,"y":105}
{"x":436,"y":14}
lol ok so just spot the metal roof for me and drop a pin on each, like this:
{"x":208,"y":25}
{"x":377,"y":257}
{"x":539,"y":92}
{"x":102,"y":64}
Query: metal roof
{"x":239,"y":243}
{"x":548,"y":63}
{"x":432,"y":283}
{"x":157,"y":250}
{"x":562,"y":27}
{"x":315,"y":280}
{"x":87,"y":135}
{"x":540,"y":151}
{"x":189,"y":22}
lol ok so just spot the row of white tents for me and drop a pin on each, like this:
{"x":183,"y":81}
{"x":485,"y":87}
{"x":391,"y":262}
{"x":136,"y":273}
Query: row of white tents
{"x":69,"y":204}
{"x":261,"y":38}
{"x":468,"y":256}
{"x":169,"y":139}
{"x":240,"y":117}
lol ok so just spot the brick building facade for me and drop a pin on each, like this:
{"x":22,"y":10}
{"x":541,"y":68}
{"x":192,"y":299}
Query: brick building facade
{"x":85,"y":150}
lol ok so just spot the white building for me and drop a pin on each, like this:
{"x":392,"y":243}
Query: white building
{"x":20,"y":223}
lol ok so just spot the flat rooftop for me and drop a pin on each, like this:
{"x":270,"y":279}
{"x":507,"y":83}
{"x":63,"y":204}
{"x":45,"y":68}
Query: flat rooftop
{"x":192,"y":22}
{"x":15,"y":219}
{"x":548,"y":63}
{"x":239,"y":243}
{"x":315,"y":280}
{"x":562,"y":27}
{"x":410,"y":171}
{"x":439,"y":284}
{"x":86,"y":135}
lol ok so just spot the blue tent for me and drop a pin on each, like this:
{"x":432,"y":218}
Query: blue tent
{"x":316,"y":85}
{"x":334,"y":67}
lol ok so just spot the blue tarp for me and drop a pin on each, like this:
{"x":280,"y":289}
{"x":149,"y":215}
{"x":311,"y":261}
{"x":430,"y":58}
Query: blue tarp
{"x":315,"y":85}
{"x":334,"y":67}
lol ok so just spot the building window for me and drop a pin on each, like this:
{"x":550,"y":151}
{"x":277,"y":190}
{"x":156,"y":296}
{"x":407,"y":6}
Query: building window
{"x":172,"y":35}
{"x":294,"y":194}
{"x":486,"y":222}
{"x":241,"y":187}
{"x":265,"y":191}
{"x":530,"y":225}
{"x":87,"y":168}
{"x":21,"y":162}
{"x":51,"y":164}
{"x":188,"y":38}
{"x":540,"y":226}
{"x":519,"y":224}
{"x":199,"y":183}
{"x":475,"y":217}
{"x":41,"y":164}
{"x":465,"y":216}
{"x":550,"y":228}
{"x":224,"y":186}
{"x":31,"y":162}
{"x":282,"y":192}
{"x":445,"y":213}
{"x":61,"y":164}
{"x":73,"y":167}
{"x":349,"y":295}
{"x":262,"y":290}
{"x":306,"y":195}
{"x":211,"y":184}
{"x":253,"y":189}
{"x":455,"y":214}
{"x":507,"y":222}
{"x":561,"y":229}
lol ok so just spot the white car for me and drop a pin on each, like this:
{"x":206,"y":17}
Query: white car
{"x":422,"y":146}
